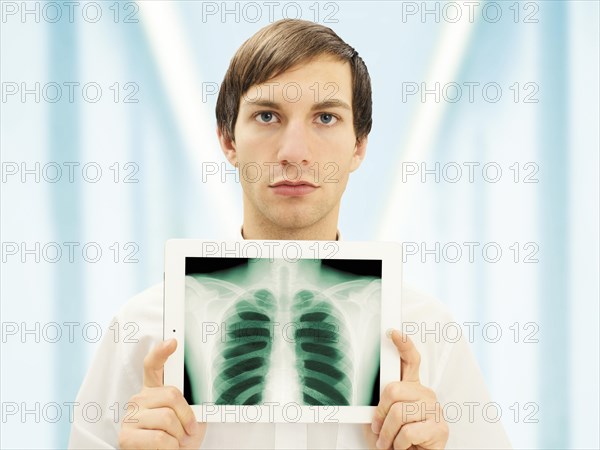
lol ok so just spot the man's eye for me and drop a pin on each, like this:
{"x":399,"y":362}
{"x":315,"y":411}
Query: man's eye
{"x":265,"y":116}
{"x":327,"y":119}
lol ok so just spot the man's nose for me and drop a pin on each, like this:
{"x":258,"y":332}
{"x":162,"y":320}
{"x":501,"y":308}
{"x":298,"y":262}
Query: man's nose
{"x":295,"y":144}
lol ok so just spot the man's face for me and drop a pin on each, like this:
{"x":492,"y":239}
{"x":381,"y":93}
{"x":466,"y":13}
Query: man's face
{"x":295,"y":144}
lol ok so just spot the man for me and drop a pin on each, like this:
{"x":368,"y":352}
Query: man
{"x":295,"y":101}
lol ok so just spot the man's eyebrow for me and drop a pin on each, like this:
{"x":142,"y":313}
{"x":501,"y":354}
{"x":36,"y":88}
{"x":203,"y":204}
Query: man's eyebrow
{"x":332,"y":103}
{"x":262,"y":103}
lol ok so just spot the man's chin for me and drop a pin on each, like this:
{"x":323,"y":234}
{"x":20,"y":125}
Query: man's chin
{"x":293,"y":217}
{"x":292,"y":225}
{"x":295,"y":221}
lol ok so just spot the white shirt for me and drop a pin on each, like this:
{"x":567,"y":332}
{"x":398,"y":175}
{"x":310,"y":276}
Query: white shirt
{"x":116,"y":374}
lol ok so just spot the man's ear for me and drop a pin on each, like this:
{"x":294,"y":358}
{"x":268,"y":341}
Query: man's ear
{"x":360,"y":149}
{"x":228,"y":147}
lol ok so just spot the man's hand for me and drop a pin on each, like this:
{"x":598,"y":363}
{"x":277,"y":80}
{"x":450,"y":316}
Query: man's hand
{"x":408,"y":414}
{"x":159,"y":416}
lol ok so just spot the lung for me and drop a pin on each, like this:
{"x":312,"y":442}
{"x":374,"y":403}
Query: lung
{"x":242,"y":362}
{"x":322,"y":349}
{"x":283,"y":333}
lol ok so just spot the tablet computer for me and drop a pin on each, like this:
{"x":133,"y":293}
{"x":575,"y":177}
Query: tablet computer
{"x":282,"y":331}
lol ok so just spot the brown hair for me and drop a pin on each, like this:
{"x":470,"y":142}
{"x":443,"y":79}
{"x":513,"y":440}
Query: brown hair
{"x":278,"y":47}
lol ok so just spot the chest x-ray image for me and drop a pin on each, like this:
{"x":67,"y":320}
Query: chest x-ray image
{"x":271,"y":330}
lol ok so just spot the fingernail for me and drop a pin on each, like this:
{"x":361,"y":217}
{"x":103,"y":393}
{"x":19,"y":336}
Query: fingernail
{"x":378,"y":443}
{"x":375,"y":427}
{"x":388,"y":332}
{"x":194,"y":426}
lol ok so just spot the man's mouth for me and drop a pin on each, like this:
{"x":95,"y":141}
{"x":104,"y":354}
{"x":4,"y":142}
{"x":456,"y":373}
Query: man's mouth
{"x":293,"y":183}
{"x":293,"y":188}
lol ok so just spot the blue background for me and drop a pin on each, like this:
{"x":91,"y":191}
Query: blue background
{"x":172,"y":52}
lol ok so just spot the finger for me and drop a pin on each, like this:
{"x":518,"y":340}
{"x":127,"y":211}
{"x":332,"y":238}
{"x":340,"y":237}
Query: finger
{"x":163,"y":419}
{"x":424,"y":434}
{"x":154,"y":362}
{"x":399,"y":415}
{"x":398,"y":391}
{"x":138,"y":438}
{"x":171,"y":397}
{"x":410,"y":358}
{"x":370,"y":437}
{"x":194,"y":441}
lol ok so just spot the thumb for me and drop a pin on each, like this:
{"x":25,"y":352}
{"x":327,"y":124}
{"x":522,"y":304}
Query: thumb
{"x":410,"y":358}
{"x":154,"y":362}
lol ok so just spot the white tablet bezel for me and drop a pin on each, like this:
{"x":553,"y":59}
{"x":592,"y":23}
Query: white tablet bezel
{"x":176,"y":252}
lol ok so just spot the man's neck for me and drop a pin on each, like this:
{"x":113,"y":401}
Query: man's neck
{"x":249,"y":231}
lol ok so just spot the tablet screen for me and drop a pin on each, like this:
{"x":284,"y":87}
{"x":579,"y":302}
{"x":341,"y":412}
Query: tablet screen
{"x":261,"y":331}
